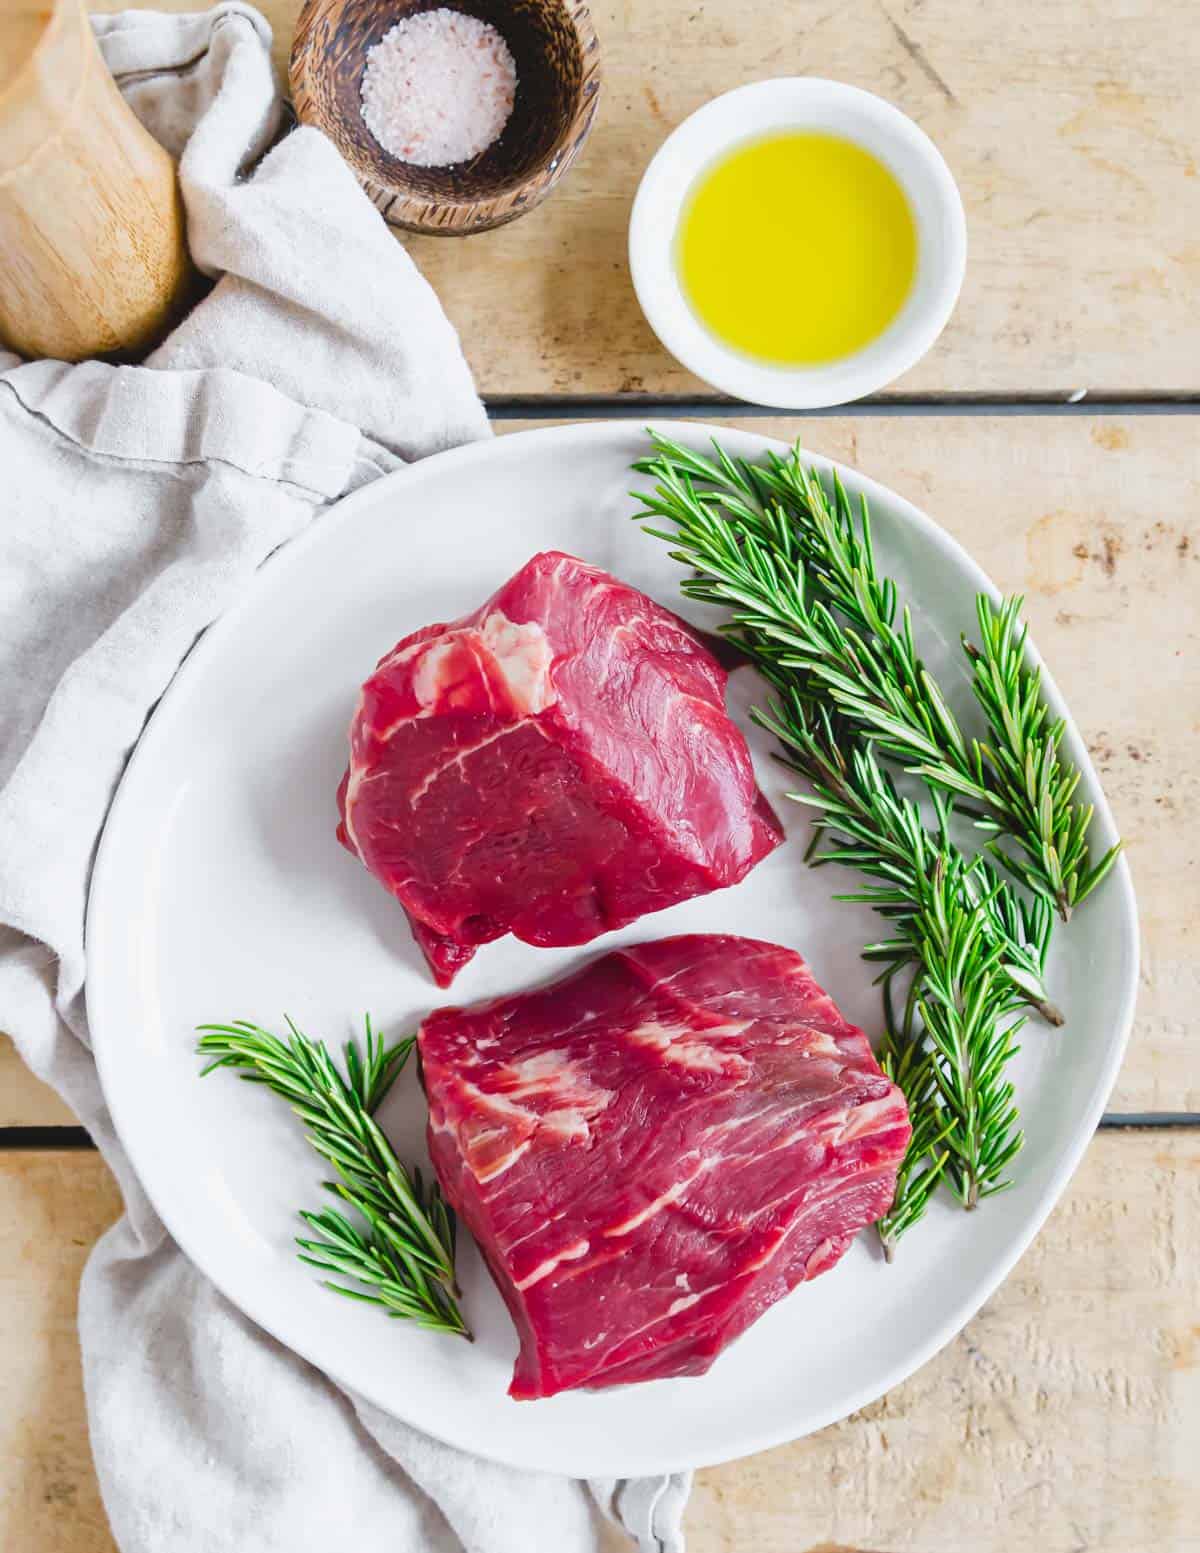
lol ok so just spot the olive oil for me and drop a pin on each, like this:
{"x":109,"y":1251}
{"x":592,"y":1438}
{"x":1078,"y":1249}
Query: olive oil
{"x":799,"y":248}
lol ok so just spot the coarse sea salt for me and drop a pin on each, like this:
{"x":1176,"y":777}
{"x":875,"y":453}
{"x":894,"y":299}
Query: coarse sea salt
{"x":438,"y":88}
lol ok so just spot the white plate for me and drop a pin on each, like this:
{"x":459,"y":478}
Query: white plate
{"x":220,"y":892}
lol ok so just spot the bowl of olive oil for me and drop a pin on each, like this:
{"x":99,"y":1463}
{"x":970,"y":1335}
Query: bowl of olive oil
{"x":797,"y":243}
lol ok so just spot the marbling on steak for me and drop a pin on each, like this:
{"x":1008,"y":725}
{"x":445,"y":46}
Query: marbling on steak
{"x":653,"y":1150}
{"x":554,"y":765}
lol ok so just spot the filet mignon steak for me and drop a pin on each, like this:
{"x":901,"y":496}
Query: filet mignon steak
{"x":553,"y":765}
{"x":653,"y":1150}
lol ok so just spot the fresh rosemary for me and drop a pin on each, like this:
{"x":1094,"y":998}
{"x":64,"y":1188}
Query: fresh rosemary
{"x":749,"y":561}
{"x":909,"y":1063}
{"x":403,"y":1257}
{"x":950,"y":1051}
{"x":871,"y":829}
{"x":836,"y":619}
{"x":1029,"y":783}
{"x":797,"y":574}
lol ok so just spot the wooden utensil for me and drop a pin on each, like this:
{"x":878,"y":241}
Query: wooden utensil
{"x":558,"y":81}
{"x":93,"y":256}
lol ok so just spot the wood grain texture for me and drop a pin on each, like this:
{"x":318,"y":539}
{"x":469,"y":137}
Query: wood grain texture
{"x":1072,"y":128}
{"x":1066,"y":1417}
{"x":1097,"y":521}
{"x":93,"y":256}
{"x":52,"y":1209}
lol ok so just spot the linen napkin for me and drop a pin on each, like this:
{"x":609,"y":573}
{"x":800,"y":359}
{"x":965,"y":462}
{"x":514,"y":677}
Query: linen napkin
{"x":136,"y":504}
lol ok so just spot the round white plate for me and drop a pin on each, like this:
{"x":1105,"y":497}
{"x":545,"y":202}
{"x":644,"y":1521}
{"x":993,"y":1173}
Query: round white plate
{"x":221,"y":893}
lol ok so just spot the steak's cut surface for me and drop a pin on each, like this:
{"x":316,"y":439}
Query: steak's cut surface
{"x":655,"y":1149}
{"x":554,"y":765}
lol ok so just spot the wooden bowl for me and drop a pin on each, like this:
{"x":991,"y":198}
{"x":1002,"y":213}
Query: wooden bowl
{"x":557,"y":57}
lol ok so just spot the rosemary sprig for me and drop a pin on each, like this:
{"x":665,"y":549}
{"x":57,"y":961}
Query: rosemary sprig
{"x":950,"y":1053}
{"x":752,"y":566}
{"x":1032,"y":785}
{"x":909,"y":1063}
{"x":879,"y":834}
{"x":404,"y":1258}
{"x":849,"y":688}
{"x":840,"y":627}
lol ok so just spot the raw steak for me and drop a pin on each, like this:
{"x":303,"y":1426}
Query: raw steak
{"x":655,"y":1149}
{"x":554,"y":765}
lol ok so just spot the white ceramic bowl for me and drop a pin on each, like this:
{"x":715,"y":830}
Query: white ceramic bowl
{"x":764,"y":107}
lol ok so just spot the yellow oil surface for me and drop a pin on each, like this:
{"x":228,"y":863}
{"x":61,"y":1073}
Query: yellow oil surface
{"x":798,"y":248}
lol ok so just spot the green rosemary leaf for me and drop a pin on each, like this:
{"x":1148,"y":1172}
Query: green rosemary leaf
{"x":1098,"y":874}
{"x":909,"y":1065}
{"x":403,"y":1256}
{"x":1030,"y":783}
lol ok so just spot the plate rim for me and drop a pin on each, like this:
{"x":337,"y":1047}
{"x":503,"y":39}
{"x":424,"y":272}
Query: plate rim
{"x":343,"y":512}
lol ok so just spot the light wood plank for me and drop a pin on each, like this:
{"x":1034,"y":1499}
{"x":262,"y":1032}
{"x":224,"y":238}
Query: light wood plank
{"x":24,"y":1100}
{"x":1096,"y":521}
{"x":52,"y":1209}
{"x":1072,"y":130}
{"x":1067,"y":1416}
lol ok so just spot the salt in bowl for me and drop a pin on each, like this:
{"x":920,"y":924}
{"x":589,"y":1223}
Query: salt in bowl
{"x":557,"y":58}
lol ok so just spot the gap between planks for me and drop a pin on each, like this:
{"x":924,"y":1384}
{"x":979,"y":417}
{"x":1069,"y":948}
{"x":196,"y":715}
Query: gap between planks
{"x":16,"y":1139}
{"x":526,"y":407}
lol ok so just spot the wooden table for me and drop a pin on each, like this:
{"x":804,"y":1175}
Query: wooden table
{"x":1068,"y":1413}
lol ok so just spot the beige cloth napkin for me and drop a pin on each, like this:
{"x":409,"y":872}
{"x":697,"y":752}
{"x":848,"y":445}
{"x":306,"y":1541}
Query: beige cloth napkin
{"x":136,"y":504}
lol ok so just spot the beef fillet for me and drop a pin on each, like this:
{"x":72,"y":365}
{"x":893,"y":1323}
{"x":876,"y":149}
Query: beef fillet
{"x":655,"y":1149}
{"x":554,"y":765}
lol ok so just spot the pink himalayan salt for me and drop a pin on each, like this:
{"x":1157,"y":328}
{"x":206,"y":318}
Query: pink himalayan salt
{"x":438,"y":88}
